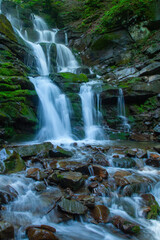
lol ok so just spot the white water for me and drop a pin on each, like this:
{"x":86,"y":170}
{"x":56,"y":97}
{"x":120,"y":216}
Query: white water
{"x":91,"y":112}
{"x":0,"y":6}
{"x":122,"y":112}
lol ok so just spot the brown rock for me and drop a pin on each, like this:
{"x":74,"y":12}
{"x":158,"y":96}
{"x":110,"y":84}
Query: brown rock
{"x":100,"y":213}
{"x":6,"y":230}
{"x":36,"y":174}
{"x":41,"y":232}
{"x":92,"y":186}
{"x":100,"y":171}
{"x":120,"y":179}
{"x":125,"y":225}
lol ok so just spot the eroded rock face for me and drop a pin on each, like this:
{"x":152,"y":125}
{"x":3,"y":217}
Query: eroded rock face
{"x":72,"y":207}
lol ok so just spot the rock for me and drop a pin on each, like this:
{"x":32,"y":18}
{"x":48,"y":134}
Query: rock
{"x":153,"y":209}
{"x":100,"y":213}
{"x":132,"y":152}
{"x":141,"y":153}
{"x":124,"y":162}
{"x":36,"y":174}
{"x":157,"y":148}
{"x":153,"y":50}
{"x":127,"y":72}
{"x":139,"y":32}
{"x":6,"y":231}
{"x":60,"y":152}
{"x":10,"y":162}
{"x":6,"y":197}
{"x":40,"y":187}
{"x":151,"y":69}
{"x":153,"y":78}
{"x":6,"y":28}
{"x":157,"y":129}
{"x":100,"y":159}
{"x":41,"y":232}
{"x":26,"y":151}
{"x":92,"y":186}
{"x":87,"y":200}
{"x":153,"y":159}
{"x":120,"y":178}
{"x":100,"y":171}
{"x":72,"y":207}
{"x":125,"y":225}
{"x":73,"y":180}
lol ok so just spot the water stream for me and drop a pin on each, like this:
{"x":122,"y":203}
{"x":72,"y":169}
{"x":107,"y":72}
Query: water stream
{"x":122,"y":112}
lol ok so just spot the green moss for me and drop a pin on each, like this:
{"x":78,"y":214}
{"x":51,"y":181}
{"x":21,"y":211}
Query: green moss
{"x":150,"y":104}
{"x":153,"y":213}
{"x":71,"y":77}
{"x":7,"y":87}
{"x":17,"y":93}
{"x":59,"y":176}
{"x":136,"y":229}
{"x":6,"y":28}
{"x":104,"y":41}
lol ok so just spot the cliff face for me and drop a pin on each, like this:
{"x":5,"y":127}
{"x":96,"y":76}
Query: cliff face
{"x":17,"y":95}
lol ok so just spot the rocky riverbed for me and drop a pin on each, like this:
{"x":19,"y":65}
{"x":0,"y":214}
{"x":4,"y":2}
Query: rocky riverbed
{"x":50,"y":192}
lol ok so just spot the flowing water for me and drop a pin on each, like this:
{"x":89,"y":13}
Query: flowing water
{"x":122,"y":112}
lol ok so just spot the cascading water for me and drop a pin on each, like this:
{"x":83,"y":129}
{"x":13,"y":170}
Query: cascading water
{"x":91,"y":112}
{"x":122,"y":112}
{"x":54,"y":108}
{"x":0,"y":6}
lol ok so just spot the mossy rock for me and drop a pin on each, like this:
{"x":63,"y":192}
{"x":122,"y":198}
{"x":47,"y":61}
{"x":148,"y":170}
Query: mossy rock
{"x":6,"y":28}
{"x":12,"y":162}
{"x":77,"y":78}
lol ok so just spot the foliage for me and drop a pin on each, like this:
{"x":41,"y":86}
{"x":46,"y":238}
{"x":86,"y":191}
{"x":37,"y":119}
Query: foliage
{"x":124,"y":12}
{"x":150,"y":104}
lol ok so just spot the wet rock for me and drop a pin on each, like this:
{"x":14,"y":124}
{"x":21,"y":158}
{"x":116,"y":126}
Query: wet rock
{"x":92,"y":186}
{"x":153,"y":209}
{"x":6,"y":231}
{"x":40,"y":187}
{"x":36,"y":174}
{"x":72,"y":207}
{"x":73,"y":180}
{"x":10,"y":161}
{"x":124,"y":162}
{"x":132,"y":152}
{"x":41,"y":232}
{"x":125,"y":225}
{"x":141,"y":153}
{"x":26,"y":151}
{"x":100,"y":171}
{"x":6,"y":197}
{"x":100,"y":213}
{"x":87,"y":200}
{"x":120,"y":178}
{"x":60,"y":152}
{"x":100,"y":159}
{"x":154,"y":160}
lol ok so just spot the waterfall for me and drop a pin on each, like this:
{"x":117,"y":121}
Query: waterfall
{"x":0,"y":6}
{"x":91,"y":112}
{"x":54,"y":107}
{"x":122,"y":112}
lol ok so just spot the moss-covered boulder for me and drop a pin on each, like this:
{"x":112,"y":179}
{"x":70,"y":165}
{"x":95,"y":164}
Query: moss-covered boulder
{"x":10,"y":162}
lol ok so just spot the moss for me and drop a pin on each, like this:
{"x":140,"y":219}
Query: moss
{"x":153,"y":213}
{"x":7,"y":87}
{"x":121,"y":136}
{"x":102,"y":42}
{"x":59,"y":176}
{"x":14,"y":164}
{"x":71,"y":77}
{"x":129,"y":82}
{"x":17,"y":93}
{"x":135,"y":229}
{"x":150,"y":104}
{"x":6,"y":28}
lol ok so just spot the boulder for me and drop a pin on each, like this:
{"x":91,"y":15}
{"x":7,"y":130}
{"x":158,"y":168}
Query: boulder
{"x":36,"y":174}
{"x":73,"y":180}
{"x":6,"y":230}
{"x":27,"y":151}
{"x":157,"y":148}
{"x":153,"y":210}
{"x":124,"y":162}
{"x":72,"y":207}
{"x":153,"y":160}
{"x":10,"y":162}
{"x":42,"y":232}
{"x":87,"y":200}
{"x":100,"y":213}
{"x":125,"y":225}
{"x":60,"y":152}
{"x":100,"y":171}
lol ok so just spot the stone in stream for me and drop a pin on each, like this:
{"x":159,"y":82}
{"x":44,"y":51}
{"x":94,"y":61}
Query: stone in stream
{"x":154,"y":159}
{"x":100,"y":171}
{"x":72,"y":207}
{"x":60,"y":152}
{"x":124,"y":162}
{"x":153,"y":210}
{"x":36,"y":174}
{"x":73,"y":180}
{"x":125,"y":226}
{"x":87,"y":200}
{"x":10,"y":162}
{"x":26,"y":151}
{"x":100,"y":213}
{"x":42,"y":232}
{"x":6,"y":231}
